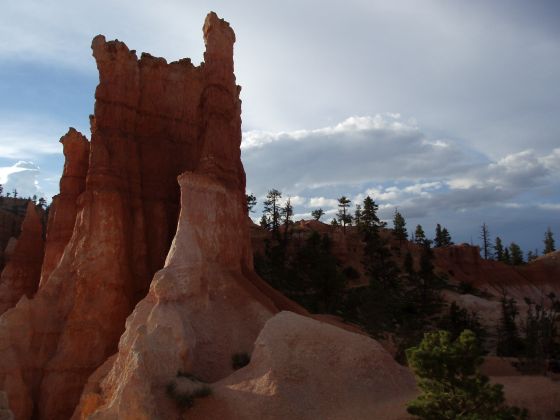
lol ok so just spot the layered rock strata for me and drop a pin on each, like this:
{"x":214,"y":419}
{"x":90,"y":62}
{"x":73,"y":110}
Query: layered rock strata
{"x":64,"y":206}
{"x":152,"y":122}
{"x":206,"y":304}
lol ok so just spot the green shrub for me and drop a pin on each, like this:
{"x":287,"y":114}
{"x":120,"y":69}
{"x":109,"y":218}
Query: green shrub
{"x":452,"y":386}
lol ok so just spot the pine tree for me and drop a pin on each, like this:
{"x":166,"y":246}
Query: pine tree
{"x":438,"y":240}
{"x":509,"y":341}
{"x":445,"y":237}
{"x":499,"y":250}
{"x":548,"y":242}
{"x":358,"y":215}
{"x":507,"y":257}
{"x":317,"y":214}
{"x":369,"y":219}
{"x":453,"y":387}
{"x":251,"y":202}
{"x":419,"y":235}
{"x":516,"y":254}
{"x":286,"y":214}
{"x":344,"y":217}
{"x":485,"y":236}
{"x":272,"y":210}
{"x":399,"y":227}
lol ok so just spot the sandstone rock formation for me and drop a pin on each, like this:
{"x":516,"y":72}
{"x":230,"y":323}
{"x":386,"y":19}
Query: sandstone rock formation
{"x":206,"y":303}
{"x":21,"y":275}
{"x":64,"y":206}
{"x":304,"y":369}
{"x":152,"y":122}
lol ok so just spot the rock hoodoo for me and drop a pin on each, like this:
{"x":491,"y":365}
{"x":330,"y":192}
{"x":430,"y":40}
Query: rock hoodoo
{"x":115,"y":218}
{"x":64,"y":206}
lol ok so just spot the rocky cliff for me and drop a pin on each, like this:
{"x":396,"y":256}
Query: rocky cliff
{"x":153,"y":121}
{"x":22,"y":272}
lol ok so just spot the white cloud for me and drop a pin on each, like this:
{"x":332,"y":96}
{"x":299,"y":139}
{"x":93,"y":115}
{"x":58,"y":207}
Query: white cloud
{"x":322,"y":202}
{"x":23,"y":177}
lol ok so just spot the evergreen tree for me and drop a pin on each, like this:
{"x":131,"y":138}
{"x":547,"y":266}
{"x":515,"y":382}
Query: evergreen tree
{"x":516,"y":254}
{"x":548,"y":242}
{"x":499,"y":250}
{"x":334,"y":222}
{"x":320,"y":281}
{"x":272,"y":211}
{"x":445,"y":237}
{"x":399,"y":227}
{"x":358,"y":215}
{"x":507,"y":257}
{"x":251,"y":202}
{"x":344,"y":217}
{"x":42,"y":203}
{"x":542,"y":341}
{"x":1,"y":189}
{"x":286,"y":214}
{"x":264,"y":222}
{"x":369,"y":219}
{"x":419,"y":235}
{"x":15,"y":193}
{"x":438,"y":240}
{"x":531,"y":256}
{"x":451,"y":383}
{"x":509,"y":342}
{"x":317,"y":214}
{"x":485,"y":237}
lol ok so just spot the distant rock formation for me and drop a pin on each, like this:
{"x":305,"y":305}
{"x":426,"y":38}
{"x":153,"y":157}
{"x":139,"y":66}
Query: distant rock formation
{"x":22,"y":272}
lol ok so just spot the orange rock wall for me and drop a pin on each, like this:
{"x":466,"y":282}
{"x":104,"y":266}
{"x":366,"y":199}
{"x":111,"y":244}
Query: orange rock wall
{"x":153,"y":121}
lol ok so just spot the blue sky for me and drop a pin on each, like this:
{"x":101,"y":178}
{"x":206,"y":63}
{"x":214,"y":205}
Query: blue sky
{"x":448,"y":111}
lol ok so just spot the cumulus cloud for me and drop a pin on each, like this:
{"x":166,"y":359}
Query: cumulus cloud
{"x":357,"y":150}
{"x":394,"y":161}
{"x":23,"y":177}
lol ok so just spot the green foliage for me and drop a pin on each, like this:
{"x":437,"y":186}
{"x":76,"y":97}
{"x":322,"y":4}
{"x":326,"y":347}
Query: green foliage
{"x":239,"y":360}
{"x":499,"y":250}
{"x":452,"y":386}
{"x":443,"y":238}
{"x":419,"y":235}
{"x":458,"y":319}
{"x":271,"y":211}
{"x":509,"y":341}
{"x":541,"y":338}
{"x":516,"y":254}
{"x":317,"y":214}
{"x":310,"y":275}
{"x":251,"y":202}
{"x":399,"y":227}
{"x":344,"y":218}
{"x":548,"y":242}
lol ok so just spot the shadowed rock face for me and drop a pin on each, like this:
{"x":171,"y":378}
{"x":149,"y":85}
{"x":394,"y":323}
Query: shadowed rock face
{"x":21,"y":275}
{"x":116,"y":215}
{"x":63,"y":210}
